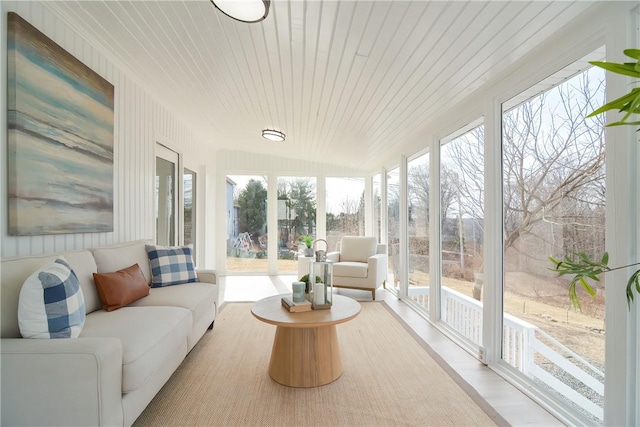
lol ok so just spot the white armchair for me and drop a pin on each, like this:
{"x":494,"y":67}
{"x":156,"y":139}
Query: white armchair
{"x":359,"y":263}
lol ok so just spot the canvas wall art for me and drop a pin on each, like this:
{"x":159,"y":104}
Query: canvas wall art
{"x":60,"y":138}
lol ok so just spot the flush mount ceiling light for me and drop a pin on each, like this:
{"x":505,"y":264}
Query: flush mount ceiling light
{"x":244,"y":10}
{"x":273,"y":135}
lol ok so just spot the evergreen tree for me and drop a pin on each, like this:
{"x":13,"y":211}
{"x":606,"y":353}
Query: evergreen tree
{"x":252,"y":214}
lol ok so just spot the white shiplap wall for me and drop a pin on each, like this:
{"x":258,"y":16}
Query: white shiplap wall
{"x":140,"y":121}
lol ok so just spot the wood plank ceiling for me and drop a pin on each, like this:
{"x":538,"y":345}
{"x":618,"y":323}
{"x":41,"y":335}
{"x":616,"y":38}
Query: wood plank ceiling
{"x":347,"y":81}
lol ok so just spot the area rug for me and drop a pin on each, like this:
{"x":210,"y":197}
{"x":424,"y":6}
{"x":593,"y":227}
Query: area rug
{"x":389,"y":379}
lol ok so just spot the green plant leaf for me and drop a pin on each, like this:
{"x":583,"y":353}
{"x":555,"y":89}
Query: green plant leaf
{"x":573,"y":296}
{"x":586,"y":260}
{"x":627,"y":69}
{"x":587,"y":287}
{"x":632,"y":107}
{"x":632,"y":53}
{"x":605,"y":258}
{"x":555,"y":262}
{"x":623,"y":124}
{"x":616,"y":104}
{"x":634,"y":279}
{"x":593,"y":276}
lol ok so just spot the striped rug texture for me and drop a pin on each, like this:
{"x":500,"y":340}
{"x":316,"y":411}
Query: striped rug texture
{"x":390,"y":379}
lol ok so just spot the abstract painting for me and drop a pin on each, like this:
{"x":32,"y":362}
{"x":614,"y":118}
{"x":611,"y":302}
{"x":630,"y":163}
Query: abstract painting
{"x":60,"y":138}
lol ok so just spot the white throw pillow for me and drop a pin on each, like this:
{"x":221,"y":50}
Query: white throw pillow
{"x":51,"y":304}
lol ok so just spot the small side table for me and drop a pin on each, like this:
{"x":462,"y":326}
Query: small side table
{"x":303,"y":265}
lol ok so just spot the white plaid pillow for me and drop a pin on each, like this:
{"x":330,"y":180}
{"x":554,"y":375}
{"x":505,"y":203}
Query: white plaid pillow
{"x":171,"y":265}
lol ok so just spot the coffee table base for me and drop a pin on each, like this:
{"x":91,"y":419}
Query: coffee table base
{"x":305,"y":357}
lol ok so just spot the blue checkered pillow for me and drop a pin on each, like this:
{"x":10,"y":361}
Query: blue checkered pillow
{"x":171,"y":265}
{"x":51,"y":304}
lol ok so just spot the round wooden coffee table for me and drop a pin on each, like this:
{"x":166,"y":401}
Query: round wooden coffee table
{"x":305,"y":350}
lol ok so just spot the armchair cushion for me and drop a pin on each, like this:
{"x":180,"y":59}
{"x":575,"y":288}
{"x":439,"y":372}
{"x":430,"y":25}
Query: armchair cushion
{"x":351,"y":269}
{"x":357,"y":248}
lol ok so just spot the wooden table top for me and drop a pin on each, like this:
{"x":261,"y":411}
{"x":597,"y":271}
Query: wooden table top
{"x":270,"y":310}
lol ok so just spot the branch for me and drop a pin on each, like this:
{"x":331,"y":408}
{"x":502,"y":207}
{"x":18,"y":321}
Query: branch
{"x":585,"y":268}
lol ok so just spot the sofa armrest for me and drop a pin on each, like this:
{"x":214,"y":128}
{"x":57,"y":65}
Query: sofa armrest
{"x":378,"y":264}
{"x":207,"y":276}
{"x":333,"y":256}
{"x":61,"y":381}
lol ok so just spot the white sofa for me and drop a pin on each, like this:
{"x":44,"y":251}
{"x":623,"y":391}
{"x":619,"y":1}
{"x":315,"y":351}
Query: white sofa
{"x":122,"y":358}
{"x":359,"y":263}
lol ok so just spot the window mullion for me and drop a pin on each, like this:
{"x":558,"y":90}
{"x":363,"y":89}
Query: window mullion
{"x":404,"y":230}
{"x":493,"y":238}
{"x":435,"y":245}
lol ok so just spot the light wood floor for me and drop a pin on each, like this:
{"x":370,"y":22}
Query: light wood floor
{"x":513,"y":405}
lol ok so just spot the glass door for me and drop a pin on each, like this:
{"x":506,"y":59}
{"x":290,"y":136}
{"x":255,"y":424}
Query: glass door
{"x":189,"y":192}
{"x":247,"y":224}
{"x":166,"y":184}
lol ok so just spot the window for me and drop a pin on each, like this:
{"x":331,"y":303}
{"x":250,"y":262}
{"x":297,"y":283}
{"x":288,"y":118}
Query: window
{"x":418,"y":228}
{"x":345,"y":209}
{"x":296,"y":218}
{"x":246,"y":223}
{"x":461,"y":234}
{"x":377,"y":206}
{"x":393,"y":228}
{"x":554,"y":204}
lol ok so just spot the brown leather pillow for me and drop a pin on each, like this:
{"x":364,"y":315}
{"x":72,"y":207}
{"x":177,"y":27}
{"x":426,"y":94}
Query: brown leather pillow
{"x":121,"y":288}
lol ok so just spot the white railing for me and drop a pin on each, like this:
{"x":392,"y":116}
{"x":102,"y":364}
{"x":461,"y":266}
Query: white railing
{"x":524,"y":346}
{"x":462,"y":313}
{"x":516,"y":342}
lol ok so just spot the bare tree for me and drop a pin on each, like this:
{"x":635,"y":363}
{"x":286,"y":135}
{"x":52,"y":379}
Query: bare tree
{"x":465,"y":157}
{"x":393,"y":209}
{"x":418,"y":195}
{"x":418,"y":184}
{"x":553,"y":169}
{"x":553,"y":158}
{"x":347,"y":220}
{"x":463,"y":169}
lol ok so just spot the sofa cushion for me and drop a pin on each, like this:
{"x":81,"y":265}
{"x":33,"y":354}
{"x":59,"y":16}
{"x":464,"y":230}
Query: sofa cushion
{"x":197,"y":297}
{"x":171,"y":265}
{"x":148,"y":335}
{"x":116,"y":257}
{"x":51,"y":304}
{"x":121,"y":287}
{"x":357,"y":248}
{"x":350,"y":269}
